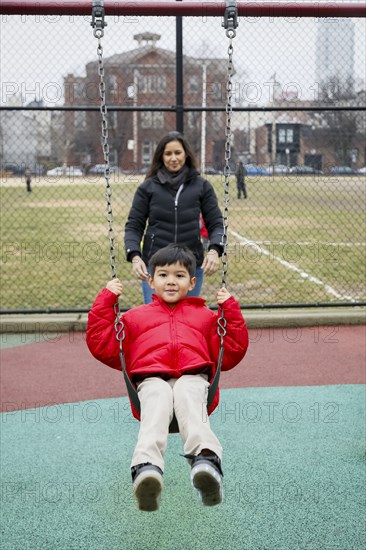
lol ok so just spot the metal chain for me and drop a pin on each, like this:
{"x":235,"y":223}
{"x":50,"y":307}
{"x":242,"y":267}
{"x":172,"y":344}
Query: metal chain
{"x":230,"y":23}
{"x":98,"y":23}
{"x":227,"y":169}
{"x":105,"y":147}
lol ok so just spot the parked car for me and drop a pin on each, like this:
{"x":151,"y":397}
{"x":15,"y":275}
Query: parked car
{"x":37,"y":170}
{"x":342,"y":171}
{"x":100,"y":168}
{"x":278,"y":169}
{"x":304,"y":170}
{"x":212,"y":171}
{"x":13,"y":168}
{"x":69,"y":171}
{"x":74,"y":171}
{"x":362,"y":170}
{"x":18,"y":169}
{"x":256,"y":170}
{"x":58,"y":171}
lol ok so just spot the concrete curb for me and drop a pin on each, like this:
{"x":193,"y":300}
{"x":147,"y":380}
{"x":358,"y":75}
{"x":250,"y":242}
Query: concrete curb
{"x":74,"y":322}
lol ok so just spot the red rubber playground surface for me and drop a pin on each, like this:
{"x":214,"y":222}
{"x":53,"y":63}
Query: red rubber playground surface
{"x":291,"y":421}
{"x":54,"y":368}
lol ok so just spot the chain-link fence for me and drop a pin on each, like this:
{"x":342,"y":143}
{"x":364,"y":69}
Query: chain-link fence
{"x":298,"y":127}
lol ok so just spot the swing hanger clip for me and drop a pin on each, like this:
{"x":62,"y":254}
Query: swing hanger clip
{"x":98,"y":23}
{"x":230,"y":18}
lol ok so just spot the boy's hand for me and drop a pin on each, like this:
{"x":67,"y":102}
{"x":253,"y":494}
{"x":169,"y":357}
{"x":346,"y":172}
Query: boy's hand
{"x":115,"y":286}
{"x":222,"y":295}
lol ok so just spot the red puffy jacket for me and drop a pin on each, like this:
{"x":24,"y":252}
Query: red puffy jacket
{"x":164,"y":341}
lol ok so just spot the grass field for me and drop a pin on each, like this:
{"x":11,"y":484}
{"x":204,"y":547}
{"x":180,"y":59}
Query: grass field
{"x":294,"y":240}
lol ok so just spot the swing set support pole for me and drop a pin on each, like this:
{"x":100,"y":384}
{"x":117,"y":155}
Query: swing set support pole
{"x":179,"y":73}
{"x":187,"y":8}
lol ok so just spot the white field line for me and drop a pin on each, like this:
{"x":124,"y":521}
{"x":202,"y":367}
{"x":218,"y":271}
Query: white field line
{"x":308,"y":243}
{"x":292,"y":267}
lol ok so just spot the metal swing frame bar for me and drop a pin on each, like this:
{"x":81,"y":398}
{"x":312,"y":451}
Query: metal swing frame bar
{"x":187,"y":8}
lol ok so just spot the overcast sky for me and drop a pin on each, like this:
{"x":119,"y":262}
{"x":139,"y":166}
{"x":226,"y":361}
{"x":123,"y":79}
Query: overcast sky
{"x":37,"y":52}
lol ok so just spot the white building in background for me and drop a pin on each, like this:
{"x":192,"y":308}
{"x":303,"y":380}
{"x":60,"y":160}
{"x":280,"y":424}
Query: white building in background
{"x":335,"y":51}
{"x":25,"y":136}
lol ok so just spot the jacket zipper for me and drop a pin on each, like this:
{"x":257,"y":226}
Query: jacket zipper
{"x":151,"y":243}
{"x":176,"y":212}
{"x":173,"y":337}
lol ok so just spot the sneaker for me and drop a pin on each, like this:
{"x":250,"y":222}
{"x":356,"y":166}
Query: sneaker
{"x":147,"y":486}
{"x":206,"y":477}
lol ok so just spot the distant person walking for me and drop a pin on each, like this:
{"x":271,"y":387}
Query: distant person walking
{"x":240,"y":180}
{"x":28,"y":179}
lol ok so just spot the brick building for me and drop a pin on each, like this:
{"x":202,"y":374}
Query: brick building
{"x":141,"y":78}
{"x":313,"y":138}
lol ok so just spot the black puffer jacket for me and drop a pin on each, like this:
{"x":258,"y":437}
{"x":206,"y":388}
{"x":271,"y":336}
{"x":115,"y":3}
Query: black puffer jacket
{"x":173,"y":219}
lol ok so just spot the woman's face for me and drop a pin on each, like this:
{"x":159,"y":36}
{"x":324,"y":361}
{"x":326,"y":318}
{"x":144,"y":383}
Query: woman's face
{"x":174,"y":156}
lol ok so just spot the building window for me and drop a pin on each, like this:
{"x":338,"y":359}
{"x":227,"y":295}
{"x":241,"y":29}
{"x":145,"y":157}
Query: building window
{"x":192,"y":119}
{"x":112,"y":120}
{"x":146,"y":119}
{"x":285,"y":135}
{"x":152,"y":119}
{"x":214,"y":90}
{"x":146,"y":155}
{"x":216,"y":121}
{"x":112,"y":83}
{"x":151,"y":84}
{"x":193,"y":84}
{"x":113,"y":157}
{"x":289,"y":135}
{"x":80,"y":119}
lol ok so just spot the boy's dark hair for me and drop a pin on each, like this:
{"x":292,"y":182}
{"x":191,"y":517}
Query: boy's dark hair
{"x":172,"y":254}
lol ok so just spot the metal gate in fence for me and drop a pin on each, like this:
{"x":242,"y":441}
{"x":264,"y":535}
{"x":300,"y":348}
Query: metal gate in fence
{"x":299,"y":124}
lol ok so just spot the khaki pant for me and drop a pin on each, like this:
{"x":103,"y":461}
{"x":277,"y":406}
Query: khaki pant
{"x":160,"y":399}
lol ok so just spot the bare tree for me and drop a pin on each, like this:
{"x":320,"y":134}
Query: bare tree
{"x":341,"y":127}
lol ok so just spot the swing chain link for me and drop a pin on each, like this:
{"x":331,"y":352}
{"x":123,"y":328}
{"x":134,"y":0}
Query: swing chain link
{"x":98,"y":11}
{"x":230,"y":24}
{"x":227,"y":169}
{"x":105,"y":147}
{"x":119,"y":327}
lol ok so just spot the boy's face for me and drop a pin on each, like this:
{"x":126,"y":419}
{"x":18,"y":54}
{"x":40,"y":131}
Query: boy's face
{"x":171,"y":282}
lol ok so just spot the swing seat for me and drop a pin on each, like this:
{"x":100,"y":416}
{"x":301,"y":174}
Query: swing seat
{"x":135,"y":401}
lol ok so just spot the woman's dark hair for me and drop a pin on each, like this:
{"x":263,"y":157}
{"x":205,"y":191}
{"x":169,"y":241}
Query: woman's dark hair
{"x":173,"y":254}
{"x":157,"y":161}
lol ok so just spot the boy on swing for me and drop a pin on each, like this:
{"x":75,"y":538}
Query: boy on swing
{"x":171,"y":349}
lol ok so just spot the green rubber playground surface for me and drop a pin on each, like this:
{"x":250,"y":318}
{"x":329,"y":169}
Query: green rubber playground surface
{"x":294,"y":476}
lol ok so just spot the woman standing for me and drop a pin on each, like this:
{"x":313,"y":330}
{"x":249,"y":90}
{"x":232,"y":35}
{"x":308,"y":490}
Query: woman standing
{"x":166,"y":209}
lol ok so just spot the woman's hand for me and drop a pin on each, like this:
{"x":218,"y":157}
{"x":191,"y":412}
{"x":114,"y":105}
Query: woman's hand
{"x":139,"y":268}
{"x":115,"y":286}
{"x":211,"y":262}
{"x":222,"y":295}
